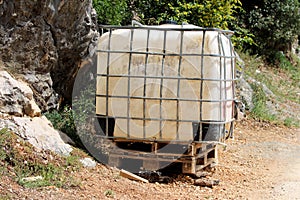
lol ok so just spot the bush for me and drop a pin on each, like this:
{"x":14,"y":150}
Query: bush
{"x":260,"y":110}
{"x":275,"y":24}
{"x":63,"y":120}
{"x":211,"y":13}
{"x":112,"y":12}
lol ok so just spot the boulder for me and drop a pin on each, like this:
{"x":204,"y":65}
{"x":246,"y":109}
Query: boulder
{"x":88,"y":162}
{"x":39,"y":132}
{"x":16,"y":97}
{"x":41,"y":85}
{"x":50,"y":37}
{"x":245,"y":93}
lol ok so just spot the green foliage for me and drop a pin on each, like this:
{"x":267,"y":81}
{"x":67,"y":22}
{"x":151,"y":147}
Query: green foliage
{"x":88,"y":128}
{"x":275,"y":23}
{"x":242,"y":38}
{"x":260,"y":110}
{"x":291,"y":122}
{"x":63,"y":120}
{"x":113,"y":12}
{"x":84,"y":105}
{"x":211,"y":13}
{"x":4,"y":138}
{"x":285,"y":64}
{"x":20,"y":160}
{"x":109,"y":193}
{"x":282,"y":84}
{"x":149,"y":12}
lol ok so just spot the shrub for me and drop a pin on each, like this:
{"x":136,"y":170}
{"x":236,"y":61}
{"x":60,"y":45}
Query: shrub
{"x":63,"y":120}
{"x":260,"y":110}
{"x":275,"y":23}
{"x":113,"y":12}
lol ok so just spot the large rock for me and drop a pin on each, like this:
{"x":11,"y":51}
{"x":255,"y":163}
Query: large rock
{"x":47,"y":37}
{"x":245,"y":93}
{"x":38,"y":131}
{"x":16,"y":97}
{"x":41,"y":85}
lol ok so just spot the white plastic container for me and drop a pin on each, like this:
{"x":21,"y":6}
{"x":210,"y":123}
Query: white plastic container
{"x":157,"y":80}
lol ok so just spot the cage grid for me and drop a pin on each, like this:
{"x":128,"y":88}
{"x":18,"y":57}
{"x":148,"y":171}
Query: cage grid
{"x":225,"y":80}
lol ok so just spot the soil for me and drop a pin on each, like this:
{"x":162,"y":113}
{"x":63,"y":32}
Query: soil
{"x":261,"y":162}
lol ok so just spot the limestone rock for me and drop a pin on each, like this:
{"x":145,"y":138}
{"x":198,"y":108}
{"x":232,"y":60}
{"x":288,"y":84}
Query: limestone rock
{"x":16,"y":97}
{"x":47,"y":37}
{"x":41,"y":85}
{"x":245,"y":93}
{"x":39,"y":132}
{"x":88,"y":162}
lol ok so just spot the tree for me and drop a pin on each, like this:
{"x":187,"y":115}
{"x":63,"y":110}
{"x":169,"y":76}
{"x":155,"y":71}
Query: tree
{"x":275,"y":24}
{"x":205,"y":13}
{"x":112,"y":12}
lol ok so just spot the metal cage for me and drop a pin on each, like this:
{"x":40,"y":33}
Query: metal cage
{"x":202,"y":129}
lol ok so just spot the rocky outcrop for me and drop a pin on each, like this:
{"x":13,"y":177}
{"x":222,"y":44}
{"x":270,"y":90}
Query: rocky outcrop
{"x":38,"y":131}
{"x":20,"y":114}
{"x":41,"y":85}
{"x":43,"y":38}
{"x":42,"y":46}
{"x":16,"y":97}
{"x":245,"y":93}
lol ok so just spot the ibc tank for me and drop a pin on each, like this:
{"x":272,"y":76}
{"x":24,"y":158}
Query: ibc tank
{"x":155,"y":82}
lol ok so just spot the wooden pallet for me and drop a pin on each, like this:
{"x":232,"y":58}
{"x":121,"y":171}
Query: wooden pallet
{"x":194,"y":157}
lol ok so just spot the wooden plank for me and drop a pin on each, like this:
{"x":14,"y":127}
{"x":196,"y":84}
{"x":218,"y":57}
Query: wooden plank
{"x":129,"y":175}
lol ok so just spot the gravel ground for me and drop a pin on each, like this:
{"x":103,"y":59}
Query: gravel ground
{"x":262,"y":162}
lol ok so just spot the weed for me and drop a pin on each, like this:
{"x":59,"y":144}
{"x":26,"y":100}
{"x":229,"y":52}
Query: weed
{"x":5,"y":197}
{"x":21,"y":160}
{"x":109,"y":193}
{"x":259,"y":100}
{"x":292,"y":70}
{"x":290,"y":122}
{"x":63,"y":120}
{"x":283,"y":80}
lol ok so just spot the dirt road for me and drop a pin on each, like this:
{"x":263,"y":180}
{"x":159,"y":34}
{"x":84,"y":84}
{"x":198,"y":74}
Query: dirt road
{"x":288,"y":186}
{"x":268,"y":158}
{"x":262,"y":162}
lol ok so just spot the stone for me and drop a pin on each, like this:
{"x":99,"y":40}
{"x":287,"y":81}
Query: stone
{"x":16,"y":97}
{"x":50,"y":37}
{"x":39,"y":132}
{"x":44,"y":94}
{"x":32,"y":178}
{"x":88,"y":162}
{"x":245,"y":93}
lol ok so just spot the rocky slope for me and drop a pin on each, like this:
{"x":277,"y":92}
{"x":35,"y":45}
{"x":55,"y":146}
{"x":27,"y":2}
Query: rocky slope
{"x":46,"y":42}
{"x":42,"y":46}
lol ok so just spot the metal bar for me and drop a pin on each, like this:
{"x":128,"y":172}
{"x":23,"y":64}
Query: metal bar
{"x":163,"y":54}
{"x":233,"y":62}
{"x":168,"y":99}
{"x":201,"y":80}
{"x":220,"y":75}
{"x":107,"y":83}
{"x":161,"y":83}
{"x":145,"y":82}
{"x":162,"y":28}
{"x":172,"y":120}
{"x":178,"y":85}
{"x":128,"y":92}
{"x":166,"y":77}
{"x":225,"y":75}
